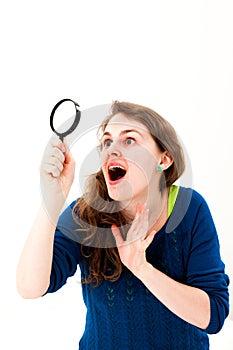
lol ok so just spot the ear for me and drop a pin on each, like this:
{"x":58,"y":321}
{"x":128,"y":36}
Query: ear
{"x":166,"y":160}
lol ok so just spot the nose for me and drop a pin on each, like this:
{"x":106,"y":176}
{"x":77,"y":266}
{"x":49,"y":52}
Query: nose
{"x":114,"y":150}
{"x":114,"y":153}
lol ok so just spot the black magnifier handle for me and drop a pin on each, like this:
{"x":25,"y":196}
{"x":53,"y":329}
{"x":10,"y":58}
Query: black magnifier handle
{"x":61,"y":135}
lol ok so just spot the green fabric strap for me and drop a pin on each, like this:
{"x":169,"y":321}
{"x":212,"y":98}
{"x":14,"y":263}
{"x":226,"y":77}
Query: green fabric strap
{"x":173,"y":193}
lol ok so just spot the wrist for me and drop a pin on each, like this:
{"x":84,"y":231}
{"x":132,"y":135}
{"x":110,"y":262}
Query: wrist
{"x":52,"y":210}
{"x":143,"y":270}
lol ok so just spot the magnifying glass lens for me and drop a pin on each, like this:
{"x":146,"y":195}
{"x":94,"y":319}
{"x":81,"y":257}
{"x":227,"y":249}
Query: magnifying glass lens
{"x":64,"y":116}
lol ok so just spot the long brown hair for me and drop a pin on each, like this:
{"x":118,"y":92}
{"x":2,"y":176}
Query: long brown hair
{"x":98,"y":212}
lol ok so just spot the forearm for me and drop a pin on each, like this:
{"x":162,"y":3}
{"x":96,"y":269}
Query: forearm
{"x":189,"y":303}
{"x":34,"y":267}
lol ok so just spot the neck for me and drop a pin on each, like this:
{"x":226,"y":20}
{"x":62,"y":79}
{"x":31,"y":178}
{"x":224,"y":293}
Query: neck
{"x":158,"y":211}
{"x":156,"y":203}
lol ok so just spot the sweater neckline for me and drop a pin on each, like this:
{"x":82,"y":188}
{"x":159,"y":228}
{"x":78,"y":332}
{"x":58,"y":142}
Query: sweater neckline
{"x":172,"y":197}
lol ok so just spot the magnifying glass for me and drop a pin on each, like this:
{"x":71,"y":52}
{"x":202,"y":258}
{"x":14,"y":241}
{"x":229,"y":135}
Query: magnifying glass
{"x":58,"y":111}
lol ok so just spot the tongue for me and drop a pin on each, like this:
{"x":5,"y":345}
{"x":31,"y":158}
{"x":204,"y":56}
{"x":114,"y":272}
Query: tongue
{"x":116,"y":174}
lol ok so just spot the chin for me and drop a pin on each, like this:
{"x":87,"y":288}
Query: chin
{"x":120,"y":193}
{"x":126,"y":194}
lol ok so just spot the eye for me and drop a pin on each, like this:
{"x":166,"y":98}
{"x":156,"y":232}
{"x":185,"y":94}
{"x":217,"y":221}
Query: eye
{"x":129,"y":141}
{"x":106,"y":143}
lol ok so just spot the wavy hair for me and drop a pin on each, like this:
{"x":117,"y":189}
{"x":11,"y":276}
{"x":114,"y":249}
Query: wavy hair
{"x":98,"y":212}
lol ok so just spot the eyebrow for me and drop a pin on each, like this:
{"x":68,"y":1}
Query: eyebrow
{"x":123,"y":132}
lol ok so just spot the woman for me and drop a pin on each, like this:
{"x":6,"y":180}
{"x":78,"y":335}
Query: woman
{"x":152,"y":275}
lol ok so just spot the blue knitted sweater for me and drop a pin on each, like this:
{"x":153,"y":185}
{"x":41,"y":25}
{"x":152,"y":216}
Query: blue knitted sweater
{"x":124,"y":315}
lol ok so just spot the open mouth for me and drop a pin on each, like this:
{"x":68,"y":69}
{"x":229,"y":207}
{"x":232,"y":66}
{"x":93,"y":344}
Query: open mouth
{"x":116,"y":172}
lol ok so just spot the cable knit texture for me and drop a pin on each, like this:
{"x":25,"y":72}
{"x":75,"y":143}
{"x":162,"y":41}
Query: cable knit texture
{"x":124,"y":315}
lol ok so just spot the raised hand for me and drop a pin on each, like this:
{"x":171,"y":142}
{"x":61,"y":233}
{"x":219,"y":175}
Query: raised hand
{"x":57,"y":174}
{"x":132,"y":251}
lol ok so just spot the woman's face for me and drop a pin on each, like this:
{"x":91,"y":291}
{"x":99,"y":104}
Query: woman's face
{"x":129,"y":159}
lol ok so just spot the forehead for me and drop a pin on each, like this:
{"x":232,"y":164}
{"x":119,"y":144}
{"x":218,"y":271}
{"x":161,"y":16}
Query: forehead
{"x":120,"y":122}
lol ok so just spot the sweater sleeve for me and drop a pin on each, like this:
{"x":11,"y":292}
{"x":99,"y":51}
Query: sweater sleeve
{"x":66,"y":252}
{"x":205,"y":269}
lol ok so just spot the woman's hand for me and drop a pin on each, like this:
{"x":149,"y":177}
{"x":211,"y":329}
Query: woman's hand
{"x":57,"y":174}
{"x":132,"y":251}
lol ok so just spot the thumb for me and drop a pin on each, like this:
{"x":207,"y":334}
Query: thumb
{"x":117,"y":235}
{"x":69,"y":160}
{"x":68,"y":157}
{"x":67,"y":153}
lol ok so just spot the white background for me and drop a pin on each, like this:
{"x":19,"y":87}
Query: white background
{"x":173,"y":56}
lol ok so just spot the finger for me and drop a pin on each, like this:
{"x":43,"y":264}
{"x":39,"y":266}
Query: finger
{"x":139,"y":210}
{"x":54,"y":151}
{"x":51,"y":170}
{"x":141,"y":220}
{"x":139,"y":226}
{"x":68,"y":157}
{"x":145,"y":223}
{"x":117,"y":235}
{"x":55,"y":162}
{"x":148,"y":240}
{"x":52,"y":165}
{"x":56,"y":142}
{"x":137,"y":217}
{"x":57,"y":153}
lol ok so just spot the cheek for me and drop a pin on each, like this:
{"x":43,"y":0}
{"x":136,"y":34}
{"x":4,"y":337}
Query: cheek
{"x":105,"y":173}
{"x":102,"y":157}
{"x":140,"y":176}
{"x":142,"y":161}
